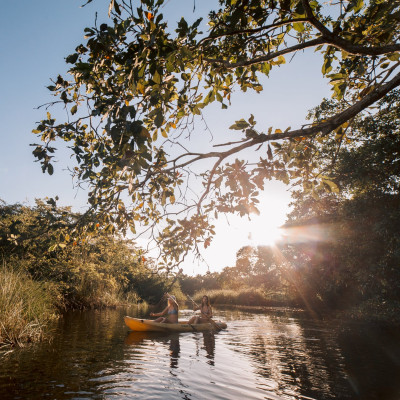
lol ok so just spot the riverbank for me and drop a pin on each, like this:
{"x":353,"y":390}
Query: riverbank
{"x":372,"y":311}
{"x":26,"y":307}
{"x":48,"y":268}
{"x":245,"y":297}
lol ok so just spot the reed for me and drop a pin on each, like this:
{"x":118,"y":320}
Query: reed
{"x":26,"y":308}
{"x":242,"y":297}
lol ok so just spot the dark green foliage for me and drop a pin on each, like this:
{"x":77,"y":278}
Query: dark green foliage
{"x":103,"y":270}
{"x":359,"y":259}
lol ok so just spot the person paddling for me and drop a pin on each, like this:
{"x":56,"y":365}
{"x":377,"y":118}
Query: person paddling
{"x":171,"y":311}
{"x":206,"y":312}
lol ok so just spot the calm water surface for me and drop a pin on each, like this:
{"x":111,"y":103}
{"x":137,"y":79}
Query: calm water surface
{"x":272,"y":355}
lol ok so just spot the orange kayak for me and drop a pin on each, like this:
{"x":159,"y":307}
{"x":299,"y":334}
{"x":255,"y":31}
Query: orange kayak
{"x":148,"y":325}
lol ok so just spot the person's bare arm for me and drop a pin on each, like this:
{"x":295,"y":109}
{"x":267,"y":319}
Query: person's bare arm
{"x":163,"y":312}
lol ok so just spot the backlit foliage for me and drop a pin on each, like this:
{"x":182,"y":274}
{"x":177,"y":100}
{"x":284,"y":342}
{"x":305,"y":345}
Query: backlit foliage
{"x":136,"y":84}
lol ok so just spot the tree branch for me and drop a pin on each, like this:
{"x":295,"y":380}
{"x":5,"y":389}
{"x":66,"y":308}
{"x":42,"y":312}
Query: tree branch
{"x":327,"y":38}
{"x":337,"y":42}
{"x":324,"y":127}
{"x":316,"y":22}
{"x":268,"y":57}
{"x":251,"y":31}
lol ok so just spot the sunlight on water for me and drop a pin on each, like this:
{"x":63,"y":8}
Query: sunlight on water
{"x":273,"y":355}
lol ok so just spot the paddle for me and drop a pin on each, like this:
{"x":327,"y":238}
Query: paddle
{"x":211,"y":320}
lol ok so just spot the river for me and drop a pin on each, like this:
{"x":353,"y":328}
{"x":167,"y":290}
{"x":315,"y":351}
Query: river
{"x":276,"y":354}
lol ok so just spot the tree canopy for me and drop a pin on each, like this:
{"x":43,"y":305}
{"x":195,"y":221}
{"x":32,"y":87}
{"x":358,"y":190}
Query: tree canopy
{"x":136,"y":84}
{"x":357,"y":259}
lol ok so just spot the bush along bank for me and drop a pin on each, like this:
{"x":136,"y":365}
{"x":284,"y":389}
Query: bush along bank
{"x":54,"y":271}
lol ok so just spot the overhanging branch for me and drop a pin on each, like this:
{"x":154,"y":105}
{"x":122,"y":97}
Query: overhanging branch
{"x":326,"y":38}
{"x":324,"y":127}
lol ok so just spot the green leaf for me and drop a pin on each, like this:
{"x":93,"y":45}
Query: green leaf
{"x":159,"y":118}
{"x":298,"y":26}
{"x":330,"y":186}
{"x":185,"y":76}
{"x":251,"y":133}
{"x":356,"y":5}
{"x":326,"y":67}
{"x":239,"y":125}
{"x":393,"y":57}
{"x":71,"y":59}
{"x":277,"y":145}
{"x":156,"y":78}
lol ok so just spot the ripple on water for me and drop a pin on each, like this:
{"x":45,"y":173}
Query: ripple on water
{"x":275,"y":355}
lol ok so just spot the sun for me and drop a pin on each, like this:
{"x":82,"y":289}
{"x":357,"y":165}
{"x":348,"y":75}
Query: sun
{"x":264,"y":232}
{"x":234,"y":232}
{"x":264,"y":229}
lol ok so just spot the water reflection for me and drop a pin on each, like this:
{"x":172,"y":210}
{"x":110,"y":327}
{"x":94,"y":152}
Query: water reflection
{"x":169,"y":340}
{"x":293,"y":361}
{"x":209,"y":346}
{"x":172,"y":342}
{"x":274,"y":355}
{"x":174,"y":351}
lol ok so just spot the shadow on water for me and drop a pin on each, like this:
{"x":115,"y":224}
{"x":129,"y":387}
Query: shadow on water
{"x":372,"y":361}
{"x":272,"y":355}
{"x":320,"y":360}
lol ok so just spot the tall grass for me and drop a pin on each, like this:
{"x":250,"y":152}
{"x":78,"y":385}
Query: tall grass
{"x":243,"y":297}
{"x":26,"y":307}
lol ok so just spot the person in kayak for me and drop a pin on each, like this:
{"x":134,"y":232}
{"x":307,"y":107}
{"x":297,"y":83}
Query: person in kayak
{"x":171,"y":311}
{"x":205,"y":312}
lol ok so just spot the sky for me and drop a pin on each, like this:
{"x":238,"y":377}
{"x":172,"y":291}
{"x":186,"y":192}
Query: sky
{"x":36,"y":36}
